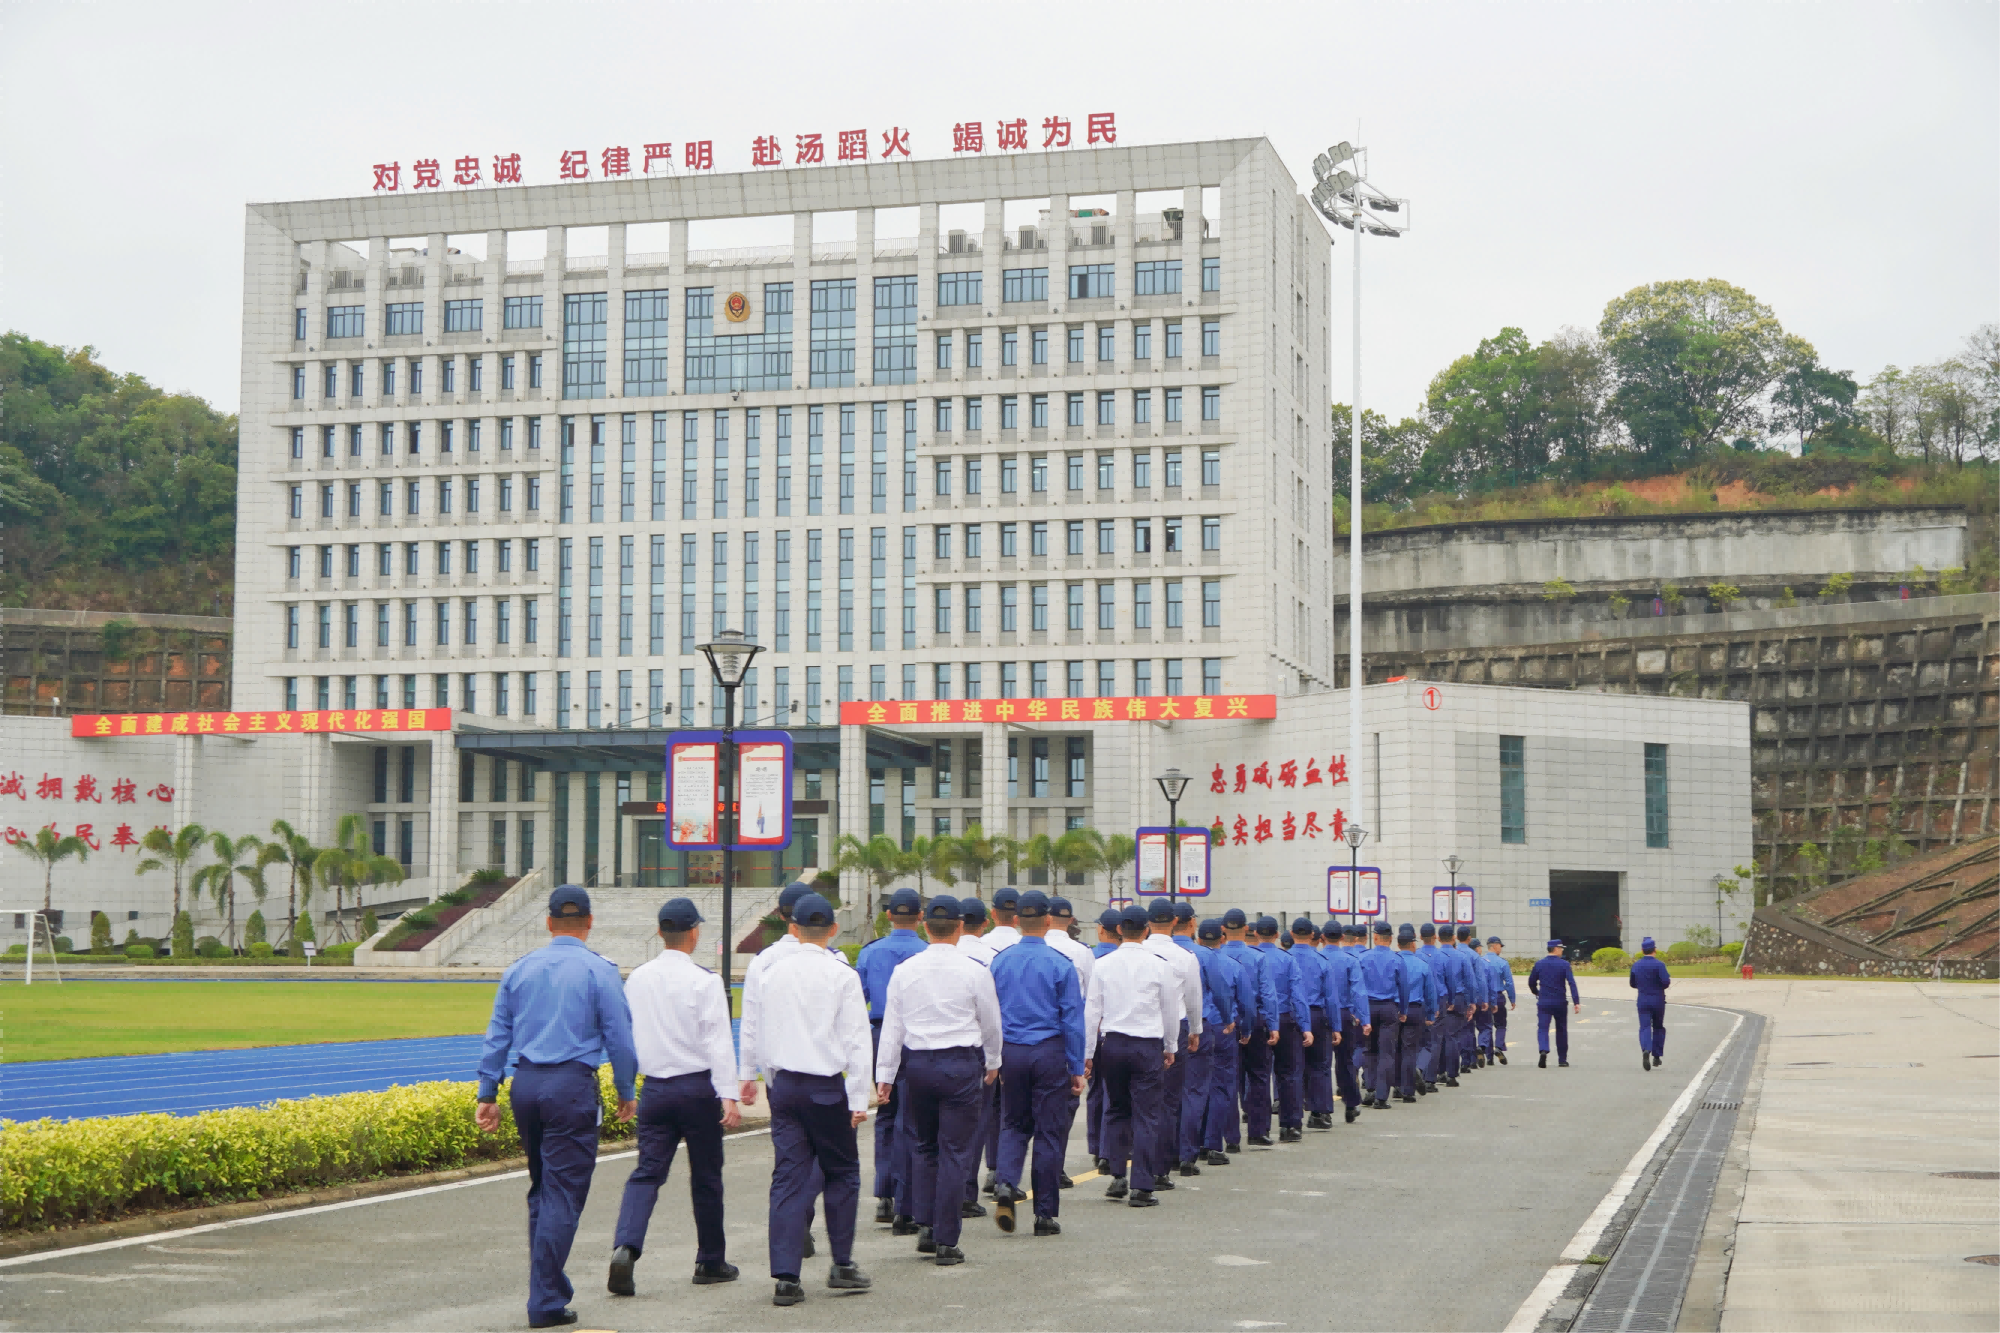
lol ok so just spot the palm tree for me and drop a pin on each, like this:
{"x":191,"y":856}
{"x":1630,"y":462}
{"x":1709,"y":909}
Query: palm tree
{"x":1080,"y":852}
{"x":172,"y":851}
{"x":879,"y":858}
{"x":1119,"y":849}
{"x":234,"y":858}
{"x":289,"y":846}
{"x":931,"y":858}
{"x":350,"y":863}
{"x":49,"y":848}
{"x":1038,"y":854}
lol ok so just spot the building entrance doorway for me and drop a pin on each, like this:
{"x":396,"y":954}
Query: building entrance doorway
{"x":1584,"y":911}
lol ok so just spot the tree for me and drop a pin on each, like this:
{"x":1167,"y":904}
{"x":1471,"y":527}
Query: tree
{"x":235,"y":858}
{"x":1511,"y":413}
{"x":1693,"y":360}
{"x":100,"y":933}
{"x":1888,"y":407}
{"x":351,"y":862}
{"x":52,"y":849}
{"x":931,"y":859}
{"x":1119,"y":849}
{"x":1390,"y":458}
{"x":974,"y":854}
{"x":1080,"y":853}
{"x":1038,"y":854}
{"x":1811,"y":401}
{"x":171,"y":851}
{"x":291,"y":848}
{"x":879,"y":858}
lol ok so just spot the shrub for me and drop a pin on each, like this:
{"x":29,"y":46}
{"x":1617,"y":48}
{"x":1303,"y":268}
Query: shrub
{"x":64,"y":944}
{"x":339,"y":953}
{"x":456,"y":898}
{"x":1787,"y":598}
{"x":1558,"y":590}
{"x":183,"y":936}
{"x":422,"y":918}
{"x":262,"y":950}
{"x":100,"y":933}
{"x":253,"y":929}
{"x":210,"y":947}
{"x":17,"y":951}
{"x":141,"y":951}
{"x":369,"y":925}
{"x":1721,"y":596}
{"x":486,"y":875}
{"x":1683,"y":950}
{"x":53,"y":1172}
{"x":1610,"y":959}
{"x":1734,"y":949}
{"x":131,"y":937}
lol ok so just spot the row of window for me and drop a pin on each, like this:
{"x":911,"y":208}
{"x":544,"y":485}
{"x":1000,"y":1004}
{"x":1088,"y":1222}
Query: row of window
{"x":406,"y":318}
{"x":1079,"y":409}
{"x":1078,"y":339}
{"x":1514,"y":791}
{"x":1076,"y":537}
{"x":1076,"y":467}
{"x":385,"y":375}
{"x":348,"y":559}
{"x":448,"y":495}
{"x":447,"y":436}
{"x":1077,"y":603}
{"x":316,"y":624}
{"x":505,"y":692}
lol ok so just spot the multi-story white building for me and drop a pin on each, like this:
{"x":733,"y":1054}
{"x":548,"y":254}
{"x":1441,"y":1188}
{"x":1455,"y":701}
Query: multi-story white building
{"x":1076,"y":449}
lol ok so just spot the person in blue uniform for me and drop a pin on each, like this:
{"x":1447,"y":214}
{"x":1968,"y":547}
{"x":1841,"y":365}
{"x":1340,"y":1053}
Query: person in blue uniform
{"x":1041,"y":1067}
{"x":1093,"y":1106}
{"x":1296,"y":988}
{"x":1649,"y":977}
{"x":1316,"y":1038}
{"x":875,"y":963}
{"x":1503,"y":994}
{"x":1434,"y":1063}
{"x":1477,"y":999}
{"x":1546,"y":982}
{"x":680,"y":1031}
{"x":1391,"y":1006}
{"x":561,"y":1010}
{"x":1344,"y":958}
{"x":1253,"y":1064}
{"x":1218,"y":1026}
{"x":1220,"y":1123}
{"x":1426,"y":998}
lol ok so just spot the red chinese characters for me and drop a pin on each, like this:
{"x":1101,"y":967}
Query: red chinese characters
{"x":811,"y":148}
{"x":1261,"y":775}
{"x":1218,"y":782}
{"x":764,"y":151}
{"x":388,"y":175}
{"x":1242,"y":777}
{"x":1289,"y":826}
{"x":123,"y":837}
{"x":1263,"y":833}
{"x":49,"y":789}
{"x":1241,"y":831}
{"x":658,"y":152}
{"x":616,"y":162}
{"x":1336,"y":770}
{"x":853,"y":145}
{"x":699,"y":155}
{"x":1288,"y":773}
{"x":968,"y":136}
{"x":575,"y":165}
{"x":1010,"y":135}
{"x":1313,"y":778}
{"x":13,"y":784}
{"x":465,"y":171}
{"x":1103,"y":128}
{"x":1055,"y":132}
{"x":86,"y":789}
{"x":895,"y":141}
{"x":507,"y":170}
{"x":162,"y":793}
{"x":87,"y":835}
{"x":1311,"y":827}
{"x":1340,"y":823}
{"x":124,"y":792}
{"x":426,"y":176}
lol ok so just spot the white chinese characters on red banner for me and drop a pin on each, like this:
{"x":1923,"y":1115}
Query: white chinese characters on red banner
{"x":1291,"y":826}
{"x":87,"y":789}
{"x":766,"y":150}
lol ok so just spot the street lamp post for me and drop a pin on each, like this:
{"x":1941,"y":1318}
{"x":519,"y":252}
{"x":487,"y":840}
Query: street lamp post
{"x":1172,"y":783}
{"x":1345,"y":198}
{"x":1355,"y":835}
{"x":1453,"y":864}
{"x":728,"y":660}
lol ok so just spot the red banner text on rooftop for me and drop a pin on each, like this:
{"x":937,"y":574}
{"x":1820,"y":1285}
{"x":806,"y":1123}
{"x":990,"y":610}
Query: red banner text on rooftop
{"x":1137,"y":708}
{"x":260,"y":724}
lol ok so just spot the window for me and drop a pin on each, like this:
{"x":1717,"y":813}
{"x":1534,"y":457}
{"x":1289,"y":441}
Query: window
{"x":534,"y":496}
{"x":1174,"y":604}
{"x":535,"y":382}
{"x":942,"y":413}
{"x":1656,"y":796}
{"x":1010,"y":688}
{"x":832,"y":346}
{"x":1211,"y":467}
{"x":1142,"y":407}
{"x":1010,"y":610}
{"x":1142,"y":677}
{"x":299,"y":324}
{"x":1211,"y":534}
{"x":959,"y":289}
{"x":1090,"y":281}
{"x":1038,"y":606}
{"x":344,"y":321}
{"x":896,"y":330}
{"x":1074,"y":470}
{"x":506,"y":382}
{"x":1211,"y":274}
{"x":522,"y":312}
{"x":298,"y":382}
{"x":975,"y":412}
{"x":1038,"y":411}
{"x":331,"y":386}
{"x":404,"y":317}
{"x":941,"y":477}
{"x":1211,"y":337}
{"x":584,"y":316}
{"x":1010,"y":475}
{"x":1211,"y":675}
{"x":972,"y":609}
{"x":1038,"y":472}
{"x":1074,"y":536}
{"x":1514,"y":789}
{"x":1010,"y":348}
{"x":1173,"y":478}
{"x":1211,"y":404}
{"x":1107,"y":607}
{"x":1142,"y":536}
{"x":1024,"y":284}
{"x":1175,"y":683}
{"x":291,"y":627}
{"x":943,"y":358}
{"x":1009,"y":540}
{"x":298,"y":442}
{"x":1107,"y":408}
{"x":1010,"y":412}
{"x":975,"y":346}
{"x":974,"y":478}
{"x":1173,"y":405}
{"x":1142,"y":341}
{"x":1039,"y":347}
{"x":1038,"y":539}
{"x":1038,"y":688}
{"x":326,"y":502}
{"x":1174,"y":340}
{"x":942,"y":611}
{"x":1156,"y":277}
{"x":1211,"y":603}
{"x":1106,"y":541}
{"x":1073,"y":415}
{"x":646,"y":361}
{"x":464,"y":316}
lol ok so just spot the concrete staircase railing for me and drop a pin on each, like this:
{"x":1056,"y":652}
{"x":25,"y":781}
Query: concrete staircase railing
{"x":526,"y":892}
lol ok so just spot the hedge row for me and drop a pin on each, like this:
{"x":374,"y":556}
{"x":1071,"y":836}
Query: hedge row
{"x":54,"y":1172}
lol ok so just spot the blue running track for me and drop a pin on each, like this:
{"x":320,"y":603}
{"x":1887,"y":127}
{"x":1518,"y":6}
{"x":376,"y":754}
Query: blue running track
{"x":184,"y":1082}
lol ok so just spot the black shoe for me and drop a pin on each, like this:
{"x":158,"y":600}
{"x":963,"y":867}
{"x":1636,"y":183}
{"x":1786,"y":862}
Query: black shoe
{"x":622,"y":1260}
{"x":885,"y":1210}
{"x":1005,"y":1196}
{"x":1064,"y":1182}
{"x":1188,"y":1168}
{"x":1289,"y":1136}
{"x":1563,"y":1063}
{"x":1161,"y":1183}
{"x":1646,"y":1060}
{"x":1117,"y":1189}
{"x":1353,"y":1114}
{"x":1502,"y":1055}
{"x":1047,"y":1226}
{"x":847,"y":1277}
{"x":809,"y":1249}
{"x":1423,"y":1090}
{"x":1103,"y":1165}
{"x":1259,"y":1140}
{"x":1142,"y":1199}
{"x":1659,"y":1060}
{"x":1216,"y":1157}
{"x":947,"y":1255}
{"x":788,"y":1293}
{"x":1543,"y":1063}
{"x":708,"y":1274}
{"x":1451,"y":1080}
{"x":1379,"y":1104}
{"x":1232,"y":1148}
{"x":992,"y":1177}
{"x":970,"y":1209}
{"x":561,"y":1319}
{"x":904,"y":1225}
{"x":1406,"y":1097}
{"x":1321,"y":1120}
{"x":926,"y":1242}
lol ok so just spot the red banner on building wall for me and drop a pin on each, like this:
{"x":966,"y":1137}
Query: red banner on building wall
{"x":1137,"y":708}
{"x":260,"y":724}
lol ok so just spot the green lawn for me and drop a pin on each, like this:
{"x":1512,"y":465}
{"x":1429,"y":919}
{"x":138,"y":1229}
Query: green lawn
{"x":81,"y":1018}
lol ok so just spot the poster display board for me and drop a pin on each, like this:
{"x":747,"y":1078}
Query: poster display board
{"x":1150,"y":856}
{"x":1462,"y":906}
{"x":1344,"y":896}
{"x":693,"y":805}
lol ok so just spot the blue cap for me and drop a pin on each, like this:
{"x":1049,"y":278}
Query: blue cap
{"x":1331,"y":929}
{"x":1159,"y":910}
{"x":1234,"y":919}
{"x":1060,"y":906}
{"x":1109,"y":918}
{"x":972,"y":908}
{"x":1494,"y":939}
{"x":943,"y":908}
{"x":1647,"y":944}
{"x":1429,"y":931}
{"x":788,"y":900}
{"x":1211,"y":929}
{"x":1406,"y":931}
{"x":1032,"y":903}
{"x":1183,"y":911}
{"x":905,"y":902}
{"x":812,"y":910}
{"x":1553,"y":944}
{"x":1302,"y":926}
{"x":1465,"y":932}
{"x":569,"y":900}
{"x":1134,"y":915}
{"x":1267,"y":924}
{"x":1006,"y":899}
{"x":679,"y":914}
{"x":1384,"y":928}
{"x":1356,"y":931}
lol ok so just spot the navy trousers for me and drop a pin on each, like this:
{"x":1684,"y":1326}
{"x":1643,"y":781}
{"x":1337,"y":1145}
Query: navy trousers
{"x":986,"y":1140}
{"x":1256,"y":1075}
{"x":1426,"y":1060}
{"x":1093,"y":1128}
{"x":1289,"y":1063}
{"x":1344,"y":1057}
{"x":1035,"y":1105}
{"x":1319,"y":1065}
{"x":1416,"y":1034}
{"x":1559,"y":1014}
{"x":1173,"y":1091}
{"x":888,"y":1147}
{"x":673,"y":1110}
{"x":1482,"y":1030}
{"x":1219,"y":1123}
{"x":813,"y":1151}
{"x":1499,"y":1016}
{"x":1468,"y":1037}
{"x":556,"y":1112}
{"x":944,"y":1093}
{"x":1197,"y":1086}
{"x":1653,"y":1027}
{"x":1385,"y":1046}
{"x":1133,"y":1113}
{"x":1444,"y":1041}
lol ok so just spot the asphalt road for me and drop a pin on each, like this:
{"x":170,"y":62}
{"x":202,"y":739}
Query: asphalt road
{"x":1441,"y":1215}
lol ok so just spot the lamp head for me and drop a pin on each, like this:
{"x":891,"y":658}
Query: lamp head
{"x":1454,"y":863}
{"x":1355,"y":836}
{"x":1172,"y":783}
{"x":729,"y":656}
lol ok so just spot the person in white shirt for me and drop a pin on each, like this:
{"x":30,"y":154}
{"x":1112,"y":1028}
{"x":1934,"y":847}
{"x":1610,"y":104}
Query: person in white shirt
{"x":1004,"y":932}
{"x":1160,"y":918}
{"x":680,"y":1029}
{"x":1131,"y":1019}
{"x":972,"y":931}
{"x":941,"y":1034}
{"x":809,"y":1034}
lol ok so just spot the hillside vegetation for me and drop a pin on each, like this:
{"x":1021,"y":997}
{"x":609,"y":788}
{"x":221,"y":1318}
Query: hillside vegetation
{"x":115,"y":496}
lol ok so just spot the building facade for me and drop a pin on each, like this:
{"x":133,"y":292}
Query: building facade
{"x":1077,"y":455}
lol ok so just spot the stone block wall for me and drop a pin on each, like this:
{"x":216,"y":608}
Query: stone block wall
{"x":148,"y":664}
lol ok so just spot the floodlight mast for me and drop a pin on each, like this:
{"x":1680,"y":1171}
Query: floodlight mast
{"x":1344,"y":197}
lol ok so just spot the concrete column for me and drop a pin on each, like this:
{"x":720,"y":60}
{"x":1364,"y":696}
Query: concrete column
{"x":614,"y":312}
{"x":435,"y":269}
{"x":927,"y":268}
{"x":607,"y":828}
{"x":372,"y":297}
{"x":853,"y":809}
{"x":993,"y":809}
{"x":864,"y":299}
{"x":187,"y":753}
{"x":441,"y":857}
{"x":552,"y":315}
{"x":802,"y":244}
{"x":1057,"y":238}
{"x":574,"y":870}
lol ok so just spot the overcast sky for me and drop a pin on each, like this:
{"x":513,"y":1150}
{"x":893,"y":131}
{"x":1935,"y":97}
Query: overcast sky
{"x":1838,"y":161}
